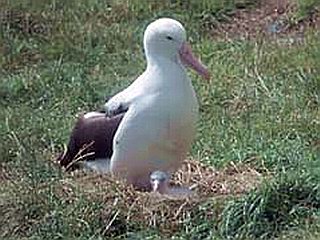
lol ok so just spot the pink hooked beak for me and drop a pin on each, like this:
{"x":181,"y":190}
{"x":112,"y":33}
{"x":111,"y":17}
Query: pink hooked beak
{"x":190,"y":60}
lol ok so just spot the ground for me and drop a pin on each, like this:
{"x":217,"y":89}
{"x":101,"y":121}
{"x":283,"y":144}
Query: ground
{"x":255,"y":163}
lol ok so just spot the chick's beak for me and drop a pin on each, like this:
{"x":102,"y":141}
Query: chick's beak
{"x":155,"y":186}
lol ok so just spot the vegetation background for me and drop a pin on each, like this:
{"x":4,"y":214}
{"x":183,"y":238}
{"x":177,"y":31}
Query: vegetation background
{"x":260,"y":109}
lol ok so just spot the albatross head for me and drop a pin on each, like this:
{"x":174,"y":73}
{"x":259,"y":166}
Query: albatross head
{"x":159,"y":181}
{"x":165,"y":38}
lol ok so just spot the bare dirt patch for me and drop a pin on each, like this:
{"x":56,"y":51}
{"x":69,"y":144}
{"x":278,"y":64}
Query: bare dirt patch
{"x":269,"y":18}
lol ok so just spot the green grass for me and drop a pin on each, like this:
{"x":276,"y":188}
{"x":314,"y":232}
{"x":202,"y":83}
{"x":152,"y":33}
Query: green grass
{"x":306,"y":8}
{"x":261,"y":107}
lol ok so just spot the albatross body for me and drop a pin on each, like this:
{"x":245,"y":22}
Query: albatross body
{"x":161,"y":110}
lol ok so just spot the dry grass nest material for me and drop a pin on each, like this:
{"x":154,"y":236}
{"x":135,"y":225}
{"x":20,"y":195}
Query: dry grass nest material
{"x":162,"y":211}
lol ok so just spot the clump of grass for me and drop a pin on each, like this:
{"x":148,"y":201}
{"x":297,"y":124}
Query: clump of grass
{"x":306,"y":9}
{"x":48,"y":210}
{"x":286,"y":202}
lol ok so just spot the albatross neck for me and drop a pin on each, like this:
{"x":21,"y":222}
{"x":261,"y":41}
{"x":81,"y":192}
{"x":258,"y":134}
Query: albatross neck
{"x":168,"y":65}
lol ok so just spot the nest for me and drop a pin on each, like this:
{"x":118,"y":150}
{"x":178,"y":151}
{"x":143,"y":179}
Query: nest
{"x":125,"y":205}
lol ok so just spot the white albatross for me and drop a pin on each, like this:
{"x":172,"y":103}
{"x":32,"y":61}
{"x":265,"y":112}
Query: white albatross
{"x":158,"y":117}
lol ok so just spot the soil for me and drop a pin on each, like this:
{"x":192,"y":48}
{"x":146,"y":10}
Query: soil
{"x":269,"y":18}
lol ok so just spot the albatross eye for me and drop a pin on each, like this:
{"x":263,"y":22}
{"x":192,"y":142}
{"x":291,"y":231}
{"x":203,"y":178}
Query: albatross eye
{"x":169,"y":38}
